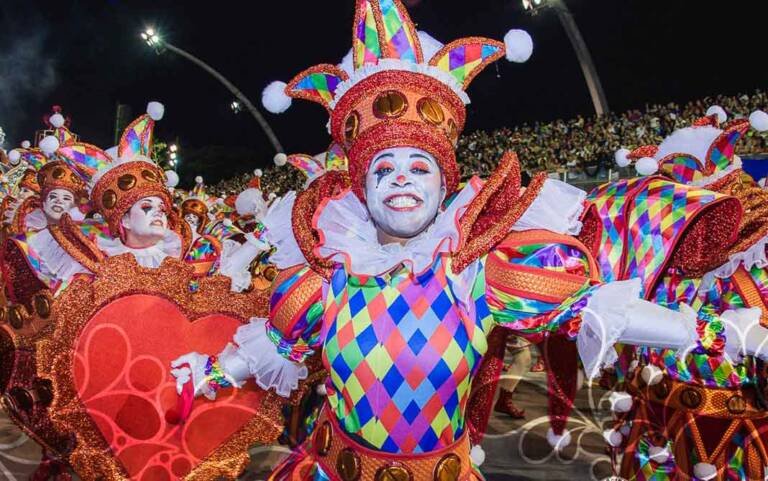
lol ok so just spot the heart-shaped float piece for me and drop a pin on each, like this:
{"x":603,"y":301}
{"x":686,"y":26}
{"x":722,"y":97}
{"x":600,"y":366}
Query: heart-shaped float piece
{"x":109,"y":363}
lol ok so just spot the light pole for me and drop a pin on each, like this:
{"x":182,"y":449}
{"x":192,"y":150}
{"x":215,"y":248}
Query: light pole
{"x":154,"y":40}
{"x":582,"y":52}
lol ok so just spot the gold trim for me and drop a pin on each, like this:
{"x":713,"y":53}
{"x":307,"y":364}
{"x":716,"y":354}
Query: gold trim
{"x":121,"y":276}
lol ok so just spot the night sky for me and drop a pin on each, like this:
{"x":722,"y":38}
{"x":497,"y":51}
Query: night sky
{"x":87,"y":56}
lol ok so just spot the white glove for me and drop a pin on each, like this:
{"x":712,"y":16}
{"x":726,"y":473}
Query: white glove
{"x":237,"y":258}
{"x":191,"y":367}
{"x":744,"y":336}
{"x":652,"y":325}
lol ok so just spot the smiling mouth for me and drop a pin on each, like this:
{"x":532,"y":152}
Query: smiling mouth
{"x":57,"y":209}
{"x":403,"y":202}
{"x":156,"y":223}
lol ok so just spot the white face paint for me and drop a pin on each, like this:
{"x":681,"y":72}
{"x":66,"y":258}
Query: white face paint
{"x":146,"y":223}
{"x":403,"y":191}
{"x":25,"y":193}
{"x":193,"y":221}
{"x":56,"y":203}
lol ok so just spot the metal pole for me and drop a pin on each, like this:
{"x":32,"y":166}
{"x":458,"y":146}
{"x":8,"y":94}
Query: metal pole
{"x":235,"y":91}
{"x":582,"y":53}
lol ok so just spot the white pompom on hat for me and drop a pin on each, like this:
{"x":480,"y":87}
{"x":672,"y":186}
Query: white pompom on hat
{"x":155,"y":110}
{"x":14,"y":157}
{"x":759,"y":120}
{"x":258,"y":172}
{"x":199,"y":179}
{"x":274,"y":99}
{"x":646,"y":166}
{"x":49,"y":144}
{"x":25,"y":144}
{"x":519,"y":45}
{"x":280,"y":159}
{"x":719,"y":111}
{"x":171,"y":178}
{"x":56,"y":120}
{"x":621,"y":157}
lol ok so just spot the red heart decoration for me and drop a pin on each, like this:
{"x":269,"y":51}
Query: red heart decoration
{"x":122,"y":376}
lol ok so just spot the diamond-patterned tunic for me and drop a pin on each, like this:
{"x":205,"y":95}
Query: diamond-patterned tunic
{"x":401,"y":348}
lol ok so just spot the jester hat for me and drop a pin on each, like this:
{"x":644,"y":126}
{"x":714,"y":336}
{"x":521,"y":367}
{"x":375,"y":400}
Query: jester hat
{"x":699,"y":154}
{"x":397,"y":87}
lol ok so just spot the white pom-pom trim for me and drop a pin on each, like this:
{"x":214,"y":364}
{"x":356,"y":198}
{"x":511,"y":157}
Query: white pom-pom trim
{"x":719,"y":111}
{"x":321,"y":390}
{"x":613,"y":437}
{"x":171,"y":178}
{"x":658,"y":454}
{"x":198,"y":179}
{"x":621,"y":157}
{"x":558,"y":442}
{"x":25,"y":144}
{"x":272,"y":196}
{"x":14,"y":157}
{"x":621,"y":401}
{"x":227,"y":222}
{"x":280,"y":159}
{"x":646,"y":166}
{"x":258,"y":173}
{"x":519,"y":45}
{"x":155,"y":110}
{"x":652,"y":375}
{"x":704,"y":471}
{"x":57,"y":120}
{"x":759,"y":120}
{"x":274,"y":99}
{"x":477,"y":455}
{"x":49,"y":144}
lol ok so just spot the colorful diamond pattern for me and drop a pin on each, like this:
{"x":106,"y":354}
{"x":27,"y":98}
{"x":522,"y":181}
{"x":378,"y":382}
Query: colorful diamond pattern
{"x":683,"y":168}
{"x":723,"y":149}
{"x":396,"y":33}
{"x":137,"y":138}
{"x":366,"y":46}
{"x":462,"y":60}
{"x":319,"y":85}
{"x":401,"y":374}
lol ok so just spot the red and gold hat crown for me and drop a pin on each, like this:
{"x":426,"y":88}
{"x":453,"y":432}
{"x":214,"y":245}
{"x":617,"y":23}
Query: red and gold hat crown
{"x":699,"y":154}
{"x":29,"y":181}
{"x":58,"y":175}
{"x":397,"y":88}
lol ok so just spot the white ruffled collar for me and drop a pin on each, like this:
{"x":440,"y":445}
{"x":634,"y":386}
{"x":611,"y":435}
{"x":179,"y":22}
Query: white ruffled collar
{"x":754,"y":256}
{"x":151,"y":256}
{"x":348,"y":236}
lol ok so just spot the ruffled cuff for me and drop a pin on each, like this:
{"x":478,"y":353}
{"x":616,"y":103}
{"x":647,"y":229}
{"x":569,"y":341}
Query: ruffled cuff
{"x":557,"y":208}
{"x":278,"y":233}
{"x":256,"y":355}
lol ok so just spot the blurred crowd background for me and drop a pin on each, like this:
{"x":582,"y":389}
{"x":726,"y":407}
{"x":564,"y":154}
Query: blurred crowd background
{"x":582,"y":146}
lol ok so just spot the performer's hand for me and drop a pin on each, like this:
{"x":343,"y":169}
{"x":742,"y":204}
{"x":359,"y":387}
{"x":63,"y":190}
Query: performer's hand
{"x":191,"y":366}
{"x":744,"y":335}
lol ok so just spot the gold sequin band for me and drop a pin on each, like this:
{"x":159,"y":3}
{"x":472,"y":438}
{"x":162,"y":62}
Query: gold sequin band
{"x":346,"y":460}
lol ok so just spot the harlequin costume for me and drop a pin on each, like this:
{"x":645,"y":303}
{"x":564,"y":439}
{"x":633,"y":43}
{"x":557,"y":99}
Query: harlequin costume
{"x":705,"y":415}
{"x":402,"y":329}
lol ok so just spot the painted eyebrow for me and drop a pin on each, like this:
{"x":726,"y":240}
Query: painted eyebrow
{"x":382,"y":156}
{"x":421,"y":156}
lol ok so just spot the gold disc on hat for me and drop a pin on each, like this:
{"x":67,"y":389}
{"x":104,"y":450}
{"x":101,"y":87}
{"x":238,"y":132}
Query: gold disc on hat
{"x":448,"y":469}
{"x":58,"y":173}
{"x":736,"y":404}
{"x":323,"y":439}
{"x":430,"y":111}
{"x":351,"y":126}
{"x":109,"y":199}
{"x":149,"y":175}
{"x":126,"y":182}
{"x":16,"y":316}
{"x":691,"y":398}
{"x":390,"y":104}
{"x":42,"y":306}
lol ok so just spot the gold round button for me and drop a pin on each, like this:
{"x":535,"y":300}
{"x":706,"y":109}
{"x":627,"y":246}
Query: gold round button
{"x":430,"y":111}
{"x":393,"y":472}
{"x":736,"y":404}
{"x":16,"y":316}
{"x":690,"y":398}
{"x":126,"y":182}
{"x":351,"y":126}
{"x":448,"y":468}
{"x":42,"y":305}
{"x":453,"y":131}
{"x":109,"y":199}
{"x":323,"y":439}
{"x":348,"y":465}
{"x":390,"y":104}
